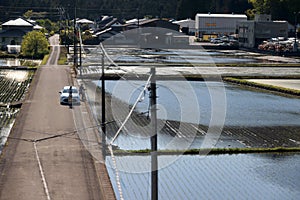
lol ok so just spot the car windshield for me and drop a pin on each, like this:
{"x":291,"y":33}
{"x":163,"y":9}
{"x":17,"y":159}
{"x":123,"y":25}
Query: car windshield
{"x":68,"y":90}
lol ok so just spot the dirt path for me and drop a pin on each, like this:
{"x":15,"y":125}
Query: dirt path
{"x":44,"y":157}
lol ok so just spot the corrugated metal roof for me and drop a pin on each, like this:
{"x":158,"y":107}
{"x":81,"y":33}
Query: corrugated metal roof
{"x":186,"y":23}
{"x":17,"y":22}
{"x":222,"y":15}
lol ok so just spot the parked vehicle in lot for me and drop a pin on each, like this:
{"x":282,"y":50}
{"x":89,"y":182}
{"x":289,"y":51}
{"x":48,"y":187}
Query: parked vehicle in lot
{"x":69,"y":95}
{"x":215,"y":40}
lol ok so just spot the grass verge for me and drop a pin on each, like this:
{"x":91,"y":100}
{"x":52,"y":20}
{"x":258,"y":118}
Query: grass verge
{"x":45,"y":59}
{"x":62,"y":60}
{"x":213,"y":151}
{"x":263,"y":86}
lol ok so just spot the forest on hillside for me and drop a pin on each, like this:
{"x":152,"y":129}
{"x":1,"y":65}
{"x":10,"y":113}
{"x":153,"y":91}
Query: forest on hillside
{"x":127,"y":9}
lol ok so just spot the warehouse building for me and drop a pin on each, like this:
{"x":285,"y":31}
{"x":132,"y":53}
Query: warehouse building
{"x":252,"y":33}
{"x":215,"y":25}
{"x":187,"y":26}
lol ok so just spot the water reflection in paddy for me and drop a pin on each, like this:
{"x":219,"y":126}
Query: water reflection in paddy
{"x":197,"y":56}
{"x":243,"y":107}
{"x":262,"y":176}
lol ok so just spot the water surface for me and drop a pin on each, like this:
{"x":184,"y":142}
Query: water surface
{"x":261,"y":176}
{"x":192,"y":102}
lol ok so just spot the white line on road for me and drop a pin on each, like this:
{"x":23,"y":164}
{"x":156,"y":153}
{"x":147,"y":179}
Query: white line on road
{"x":41,"y":172}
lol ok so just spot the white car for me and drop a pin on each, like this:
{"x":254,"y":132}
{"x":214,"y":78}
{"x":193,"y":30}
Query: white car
{"x":65,"y":94}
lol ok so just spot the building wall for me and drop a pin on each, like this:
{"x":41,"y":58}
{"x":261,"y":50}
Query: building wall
{"x":246,"y":34}
{"x":252,"y":33}
{"x":13,"y":35}
{"x":221,"y":24}
{"x":10,"y":37}
{"x":23,"y":28}
{"x":271,"y":29}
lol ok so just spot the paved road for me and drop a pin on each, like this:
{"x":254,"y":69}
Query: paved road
{"x":44,"y":158}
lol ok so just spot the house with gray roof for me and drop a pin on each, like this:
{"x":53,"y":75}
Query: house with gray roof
{"x":13,"y":31}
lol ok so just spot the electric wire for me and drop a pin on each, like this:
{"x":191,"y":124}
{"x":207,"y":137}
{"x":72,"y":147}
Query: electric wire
{"x":134,"y":85}
{"x":138,"y":100}
{"x":52,"y":136}
{"x":80,"y":40}
{"x":116,"y":172}
{"x":131,"y":111}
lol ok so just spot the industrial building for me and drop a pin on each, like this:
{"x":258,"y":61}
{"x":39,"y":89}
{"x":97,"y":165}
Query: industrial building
{"x":215,"y":25}
{"x":252,"y":33}
{"x":187,"y":26}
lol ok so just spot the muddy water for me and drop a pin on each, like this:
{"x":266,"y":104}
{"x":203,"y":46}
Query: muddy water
{"x":262,"y":176}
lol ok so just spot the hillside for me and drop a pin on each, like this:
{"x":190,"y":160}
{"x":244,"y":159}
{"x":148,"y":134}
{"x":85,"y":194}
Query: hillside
{"x":127,"y":9}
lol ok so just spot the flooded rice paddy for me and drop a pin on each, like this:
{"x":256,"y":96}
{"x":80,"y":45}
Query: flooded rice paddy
{"x":199,"y":56}
{"x":242,"y":107}
{"x":10,"y":62}
{"x":259,"y":176}
{"x":251,"y":118}
{"x":13,"y":86}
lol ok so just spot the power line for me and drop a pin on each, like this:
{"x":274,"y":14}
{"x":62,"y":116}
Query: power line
{"x":131,"y":111}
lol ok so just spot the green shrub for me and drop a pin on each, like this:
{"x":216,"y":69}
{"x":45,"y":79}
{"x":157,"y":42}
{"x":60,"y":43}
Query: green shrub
{"x":35,"y":45}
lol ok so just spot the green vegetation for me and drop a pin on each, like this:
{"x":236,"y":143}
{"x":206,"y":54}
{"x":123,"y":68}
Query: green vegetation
{"x":62,"y":60}
{"x":29,"y":63}
{"x":35,"y":45}
{"x":4,"y":54}
{"x":212,"y":151}
{"x":178,"y":9}
{"x":45,"y":59}
{"x":263,"y":86}
{"x":50,"y":27}
{"x":29,"y":14}
{"x":279,"y":9}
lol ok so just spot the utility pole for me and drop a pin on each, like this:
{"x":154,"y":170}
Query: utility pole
{"x":68,"y":29}
{"x":138,"y":17}
{"x":103,"y":125}
{"x":80,"y":53}
{"x":154,"y":162}
{"x":75,"y":36}
{"x":296,"y":30}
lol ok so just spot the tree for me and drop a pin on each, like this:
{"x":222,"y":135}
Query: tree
{"x":261,"y":6}
{"x":35,"y":45}
{"x":28,"y":14}
{"x":48,"y":25}
{"x":279,"y":9}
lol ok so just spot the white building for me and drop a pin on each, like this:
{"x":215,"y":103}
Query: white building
{"x":212,"y":25}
